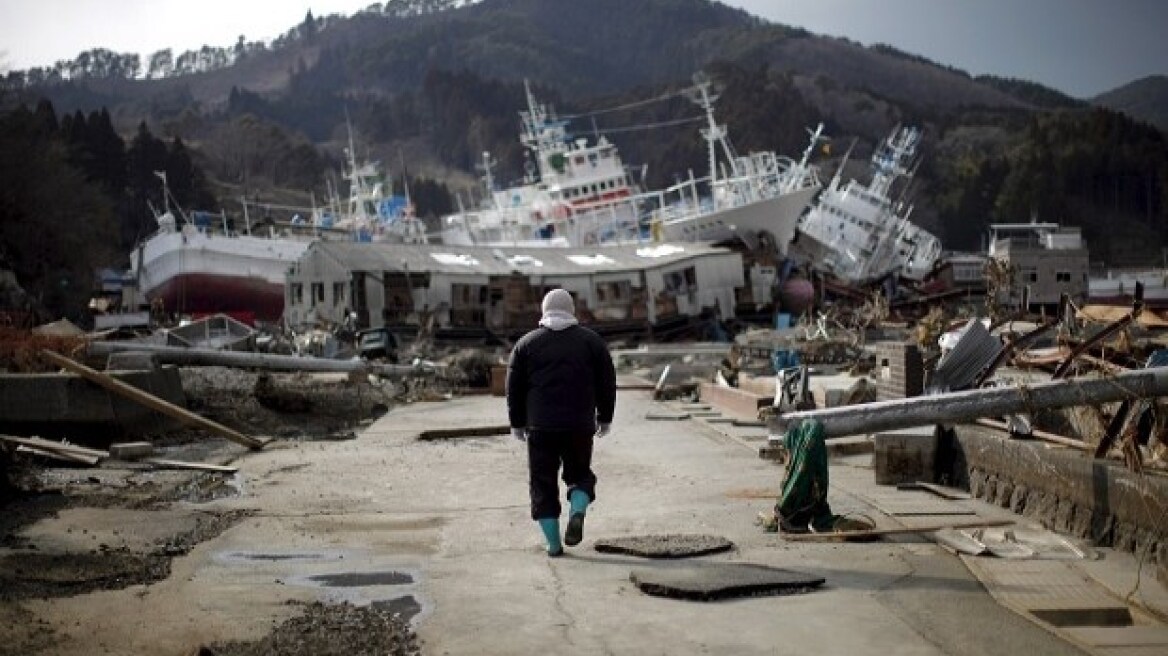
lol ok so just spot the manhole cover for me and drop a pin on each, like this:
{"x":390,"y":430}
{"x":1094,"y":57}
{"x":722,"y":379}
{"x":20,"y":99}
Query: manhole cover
{"x":713,"y":581}
{"x":665,"y":546}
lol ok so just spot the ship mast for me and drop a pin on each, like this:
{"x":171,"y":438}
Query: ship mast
{"x":714,"y":133}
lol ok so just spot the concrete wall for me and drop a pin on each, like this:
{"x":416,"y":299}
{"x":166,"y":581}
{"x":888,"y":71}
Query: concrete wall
{"x":1066,"y":490}
{"x":66,"y":405}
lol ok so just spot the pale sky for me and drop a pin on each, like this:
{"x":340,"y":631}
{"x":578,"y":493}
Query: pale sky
{"x":1081,"y":47}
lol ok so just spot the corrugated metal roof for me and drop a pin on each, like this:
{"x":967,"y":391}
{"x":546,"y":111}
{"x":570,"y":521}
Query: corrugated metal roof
{"x":502,"y":260}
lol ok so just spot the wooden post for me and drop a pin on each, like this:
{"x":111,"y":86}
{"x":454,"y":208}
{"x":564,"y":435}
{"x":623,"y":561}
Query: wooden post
{"x":877,"y":532}
{"x":150,"y":401}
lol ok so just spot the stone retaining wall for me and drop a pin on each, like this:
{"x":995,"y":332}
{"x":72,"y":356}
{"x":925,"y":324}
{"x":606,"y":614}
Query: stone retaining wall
{"x":1066,"y":491}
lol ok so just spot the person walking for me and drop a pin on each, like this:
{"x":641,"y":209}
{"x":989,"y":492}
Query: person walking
{"x":561,"y":393}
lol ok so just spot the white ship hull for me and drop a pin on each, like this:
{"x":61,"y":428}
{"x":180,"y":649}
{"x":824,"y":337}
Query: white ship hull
{"x":193,"y":272}
{"x":776,"y":217}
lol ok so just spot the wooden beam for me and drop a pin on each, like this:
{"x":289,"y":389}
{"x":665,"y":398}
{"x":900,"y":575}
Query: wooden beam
{"x":469,"y":431}
{"x":58,"y":447}
{"x":150,"y":401}
{"x":877,"y":532}
{"x":59,"y":455}
{"x":199,"y":466}
{"x":1037,"y":434}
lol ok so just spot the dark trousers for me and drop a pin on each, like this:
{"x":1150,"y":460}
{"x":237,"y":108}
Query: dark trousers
{"x":547,"y":451}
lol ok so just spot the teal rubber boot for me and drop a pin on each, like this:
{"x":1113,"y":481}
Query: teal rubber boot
{"x":578,"y":500}
{"x":551,"y":532}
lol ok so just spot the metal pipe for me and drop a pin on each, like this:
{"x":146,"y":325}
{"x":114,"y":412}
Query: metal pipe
{"x":967,"y":405}
{"x":247,"y":360}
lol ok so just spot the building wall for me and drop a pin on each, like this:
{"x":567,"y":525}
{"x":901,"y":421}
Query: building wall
{"x":711,"y":281}
{"x":1049,"y":274}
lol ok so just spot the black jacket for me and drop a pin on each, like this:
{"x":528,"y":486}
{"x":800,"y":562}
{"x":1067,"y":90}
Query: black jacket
{"x":560,"y":380}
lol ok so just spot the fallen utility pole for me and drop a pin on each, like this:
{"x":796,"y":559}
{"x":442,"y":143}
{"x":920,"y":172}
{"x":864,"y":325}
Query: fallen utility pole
{"x":967,"y":405}
{"x":150,"y":401}
{"x":245,"y":360}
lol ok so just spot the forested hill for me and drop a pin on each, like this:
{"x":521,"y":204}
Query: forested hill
{"x":1145,"y":99}
{"x":582,"y":47}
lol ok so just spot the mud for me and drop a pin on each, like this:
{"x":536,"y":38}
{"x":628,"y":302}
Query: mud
{"x":332,"y":630}
{"x":30,"y":574}
{"x":665,"y":546}
{"x":73,"y":561}
{"x":290,"y":406}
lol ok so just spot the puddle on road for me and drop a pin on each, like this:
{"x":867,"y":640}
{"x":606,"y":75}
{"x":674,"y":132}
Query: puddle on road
{"x":360,"y":579}
{"x":262,"y":556}
{"x":404,"y":607}
{"x":253,"y":557}
{"x":1110,"y":616}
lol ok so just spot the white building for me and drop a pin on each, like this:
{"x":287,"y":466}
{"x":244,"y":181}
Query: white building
{"x":1049,"y":259}
{"x":500,"y":288}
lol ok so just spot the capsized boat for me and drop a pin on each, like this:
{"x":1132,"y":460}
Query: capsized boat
{"x":860,"y":233}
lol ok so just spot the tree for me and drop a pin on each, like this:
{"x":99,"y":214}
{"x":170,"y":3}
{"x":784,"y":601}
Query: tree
{"x":56,"y":229}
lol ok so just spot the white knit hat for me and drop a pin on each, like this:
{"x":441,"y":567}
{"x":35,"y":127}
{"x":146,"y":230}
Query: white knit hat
{"x":559,"y":310}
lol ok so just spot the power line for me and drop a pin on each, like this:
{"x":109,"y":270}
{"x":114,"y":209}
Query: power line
{"x":639,"y":103}
{"x":651,"y":126}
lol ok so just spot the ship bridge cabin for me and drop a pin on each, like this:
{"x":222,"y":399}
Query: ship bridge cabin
{"x":1048,"y":261}
{"x":498,"y":290}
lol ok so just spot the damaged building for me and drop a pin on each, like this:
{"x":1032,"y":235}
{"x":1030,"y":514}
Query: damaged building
{"x":1047,"y":259}
{"x":500,"y":288}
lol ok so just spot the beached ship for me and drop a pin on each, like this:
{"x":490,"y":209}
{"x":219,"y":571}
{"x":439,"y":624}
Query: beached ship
{"x":579,"y":194}
{"x":203,"y":263}
{"x":757,"y":198}
{"x":860,"y":234}
{"x":574,"y":192}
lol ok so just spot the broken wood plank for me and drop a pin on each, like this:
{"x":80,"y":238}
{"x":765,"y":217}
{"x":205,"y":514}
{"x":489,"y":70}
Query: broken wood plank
{"x":150,"y":401}
{"x":1038,"y":434}
{"x":199,"y":466}
{"x":59,"y":455}
{"x":472,"y":431}
{"x":950,"y":493}
{"x":877,"y":532}
{"x":59,"y":447}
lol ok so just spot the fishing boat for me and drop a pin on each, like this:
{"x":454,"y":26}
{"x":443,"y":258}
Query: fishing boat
{"x":580,"y":194}
{"x":756,"y":198}
{"x":202,"y":263}
{"x":573,"y":193}
{"x":860,"y":234}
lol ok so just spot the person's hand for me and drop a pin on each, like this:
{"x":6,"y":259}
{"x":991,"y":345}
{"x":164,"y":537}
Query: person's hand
{"x":602,"y":430}
{"x":519,"y":434}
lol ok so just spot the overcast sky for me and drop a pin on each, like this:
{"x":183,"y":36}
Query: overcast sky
{"x":1081,"y":47}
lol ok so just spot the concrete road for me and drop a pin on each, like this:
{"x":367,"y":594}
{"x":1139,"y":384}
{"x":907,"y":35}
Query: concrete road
{"x":445,"y":525}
